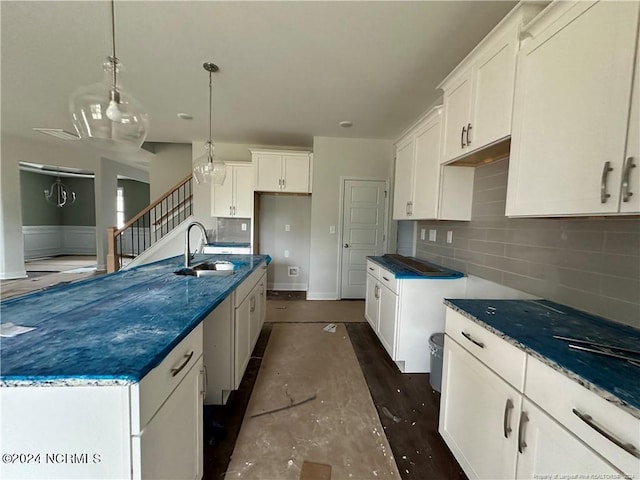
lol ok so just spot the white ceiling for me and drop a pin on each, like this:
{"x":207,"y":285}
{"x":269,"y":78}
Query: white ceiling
{"x":288,"y":70}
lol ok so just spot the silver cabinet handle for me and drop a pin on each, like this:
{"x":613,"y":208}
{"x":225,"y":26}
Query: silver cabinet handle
{"x":524,"y":419}
{"x":603,"y":182}
{"x":462,"y":144}
{"x":410,"y":208}
{"x":626,"y":179}
{"x":627,"y":447}
{"x":205,"y":377}
{"x":376,"y":292}
{"x":176,"y":370}
{"x":252,"y":304}
{"x":371,"y":268}
{"x":385,"y":279}
{"x":471,"y":339}
{"x":230,"y":210}
{"x":468,"y":132}
{"x":284,"y":183}
{"x":406,"y":210}
{"x":506,"y":421}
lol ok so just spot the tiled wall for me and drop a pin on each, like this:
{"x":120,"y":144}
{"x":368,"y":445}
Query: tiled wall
{"x":592,"y":264}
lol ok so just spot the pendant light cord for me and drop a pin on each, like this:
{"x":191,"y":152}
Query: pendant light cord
{"x":114,"y":59}
{"x":210,"y":115}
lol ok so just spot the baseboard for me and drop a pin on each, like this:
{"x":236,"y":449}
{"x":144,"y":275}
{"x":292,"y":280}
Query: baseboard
{"x":13,"y":275}
{"x":322,"y":296}
{"x":287,"y":286}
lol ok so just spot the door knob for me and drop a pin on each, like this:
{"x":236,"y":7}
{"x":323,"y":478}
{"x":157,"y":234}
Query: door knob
{"x":346,"y":245}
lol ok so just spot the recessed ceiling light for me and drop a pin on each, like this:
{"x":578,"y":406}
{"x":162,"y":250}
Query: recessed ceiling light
{"x":58,"y":133}
{"x":345,"y":124}
{"x":185,"y":116}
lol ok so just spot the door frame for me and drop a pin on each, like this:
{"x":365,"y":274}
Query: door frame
{"x":385,"y":227}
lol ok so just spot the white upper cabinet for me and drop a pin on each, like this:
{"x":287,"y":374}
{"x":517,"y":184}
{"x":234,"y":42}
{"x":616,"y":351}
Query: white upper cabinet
{"x":234,"y":198}
{"x":478,"y":94}
{"x":282,"y":171}
{"x":575,"y":128}
{"x":423,"y":189}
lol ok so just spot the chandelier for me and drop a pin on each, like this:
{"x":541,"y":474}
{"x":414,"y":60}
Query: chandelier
{"x":206,"y":168}
{"x":59,"y":195}
{"x":104,"y":114}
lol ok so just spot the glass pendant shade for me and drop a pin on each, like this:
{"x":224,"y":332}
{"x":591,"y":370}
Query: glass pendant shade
{"x":109,"y":118}
{"x":207,"y":169}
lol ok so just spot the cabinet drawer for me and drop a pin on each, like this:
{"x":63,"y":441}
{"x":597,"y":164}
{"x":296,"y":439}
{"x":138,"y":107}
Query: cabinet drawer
{"x":158,"y":384}
{"x":245,"y":287}
{"x":503,"y":358}
{"x":373,"y":269}
{"x":565,"y":399}
{"x":388,"y":279}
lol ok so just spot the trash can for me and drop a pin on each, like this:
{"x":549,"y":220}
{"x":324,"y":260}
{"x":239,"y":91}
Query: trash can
{"x":436,"y":346}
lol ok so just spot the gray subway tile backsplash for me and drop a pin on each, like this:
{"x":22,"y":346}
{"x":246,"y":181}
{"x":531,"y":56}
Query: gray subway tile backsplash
{"x":592,"y":264}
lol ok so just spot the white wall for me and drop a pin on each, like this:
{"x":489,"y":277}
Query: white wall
{"x":334,"y":158}
{"x":276,"y":211}
{"x":171,"y":163}
{"x":57,"y":153}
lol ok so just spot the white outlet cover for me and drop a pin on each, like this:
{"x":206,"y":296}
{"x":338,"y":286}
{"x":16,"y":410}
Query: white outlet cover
{"x":423,"y":234}
{"x":450,"y":236}
{"x":332,"y":229}
{"x":287,"y":228}
{"x":432,"y":235}
{"x":286,"y":254}
{"x":243,"y":227}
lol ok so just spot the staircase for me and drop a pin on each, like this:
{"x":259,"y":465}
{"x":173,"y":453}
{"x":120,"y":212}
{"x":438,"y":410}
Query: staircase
{"x":150,"y":225}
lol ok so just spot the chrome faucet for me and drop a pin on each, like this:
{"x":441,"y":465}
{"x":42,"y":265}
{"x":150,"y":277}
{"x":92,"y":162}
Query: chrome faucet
{"x":187,"y":254}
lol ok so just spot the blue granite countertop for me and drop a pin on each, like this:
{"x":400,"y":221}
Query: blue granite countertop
{"x":531,"y":324}
{"x":111,"y":329}
{"x":402,"y":272}
{"x":229,"y":244}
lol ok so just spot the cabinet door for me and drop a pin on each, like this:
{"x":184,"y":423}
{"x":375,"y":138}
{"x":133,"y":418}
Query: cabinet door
{"x":456,"y":116}
{"x":218,"y":346}
{"x":426,"y":176}
{"x":388,"y":320}
{"x":222,"y":196}
{"x":254,"y":317}
{"x":372,"y":302}
{"x":478,"y":415}
{"x":170,"y":446}
{"x":630,"y":194}
{"x":548,"y":449}
{"x":243,"y":194}
{"x":242,"y":339}
{"x":262,"y":300}
{"x":571,"y":111}
{"x":403,"y":181}
{"x":268,"y":173}
{"x":295,"y":173}
{"x":494,"y":78}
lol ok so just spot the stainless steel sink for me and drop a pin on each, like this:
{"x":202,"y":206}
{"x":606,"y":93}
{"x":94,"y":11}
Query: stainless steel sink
{"x":219,"y":268}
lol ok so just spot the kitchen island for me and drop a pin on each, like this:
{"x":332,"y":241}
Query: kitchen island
{"x":110,"y":381}
{"x":554,"y":391}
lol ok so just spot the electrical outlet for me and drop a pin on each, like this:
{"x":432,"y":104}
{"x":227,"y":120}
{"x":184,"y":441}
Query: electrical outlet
{"x":286,"y":254}
{"x":432,"y":235}
{"x":450,"y":236}
{"x":332,"y":229}
{"x":423,"y":233}
{"x":243,"y":227}
{"x":293,"y":271}
{"x":287,"y":228}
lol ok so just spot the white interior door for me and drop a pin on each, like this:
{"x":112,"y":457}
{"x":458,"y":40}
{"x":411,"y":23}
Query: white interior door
{"x":363,"y":214}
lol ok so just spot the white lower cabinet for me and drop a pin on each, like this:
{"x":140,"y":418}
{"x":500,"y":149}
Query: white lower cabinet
{"x":404,"y":313}
{"x":230,"y":334}
{"x":490,"y":422}
{"x":478,"y":415}
{"x":546,"y":449}
{"x":170,"y":446}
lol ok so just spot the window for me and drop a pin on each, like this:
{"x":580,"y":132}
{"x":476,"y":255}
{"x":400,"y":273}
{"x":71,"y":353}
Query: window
{"x":120,"y":207}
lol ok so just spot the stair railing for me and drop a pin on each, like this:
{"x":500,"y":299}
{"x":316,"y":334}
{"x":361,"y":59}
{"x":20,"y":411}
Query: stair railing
{"x":150,"y":225}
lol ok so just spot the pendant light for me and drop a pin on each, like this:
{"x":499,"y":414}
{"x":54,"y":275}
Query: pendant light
{"x":206,"y":168}
{"x":104,"y":114}
{"x":59,"y":195}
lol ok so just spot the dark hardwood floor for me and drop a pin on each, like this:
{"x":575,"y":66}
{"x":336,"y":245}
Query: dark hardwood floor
{"x":408,"y":408}
{"x":406,"y":404}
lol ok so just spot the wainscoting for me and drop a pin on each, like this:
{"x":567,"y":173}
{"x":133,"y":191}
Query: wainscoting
{"x":51,"y":240}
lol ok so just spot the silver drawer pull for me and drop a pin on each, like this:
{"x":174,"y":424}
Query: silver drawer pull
{"x":371,"y":269}
{"x":626,"y":180}
{"x":472,"y":340}
{"x":506,"y":421}
{"x":603,"y":182}
{"x":627,"y":447}
{"x":385,"y":278}
{"x":176,"y":370}
{"x":524,"y":419}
